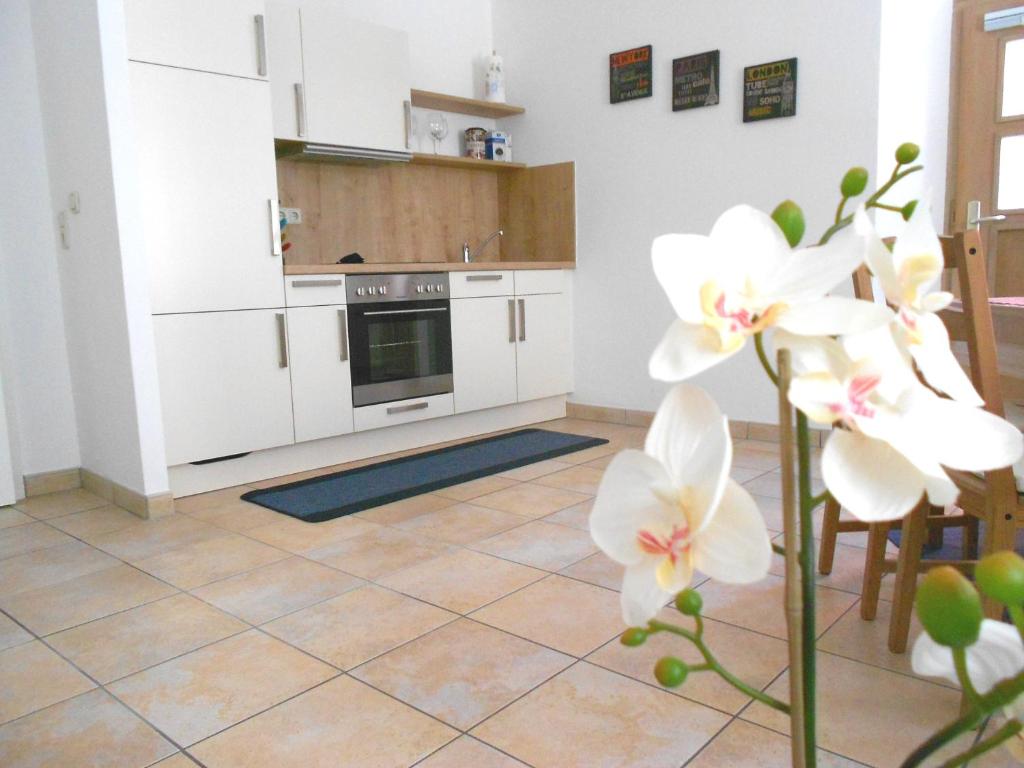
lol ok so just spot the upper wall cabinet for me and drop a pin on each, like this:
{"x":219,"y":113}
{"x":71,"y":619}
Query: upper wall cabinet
{"x":337,"y":80}
{"x":208,"y":190}
{"x":223,"y":36}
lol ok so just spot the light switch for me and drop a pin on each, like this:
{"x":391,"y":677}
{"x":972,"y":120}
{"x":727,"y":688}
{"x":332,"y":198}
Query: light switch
{"x":74,"y":204}
{"x":64,"y":229}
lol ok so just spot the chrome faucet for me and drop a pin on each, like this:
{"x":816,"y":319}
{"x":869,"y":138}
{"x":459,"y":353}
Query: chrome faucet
{"x":467,"y":257}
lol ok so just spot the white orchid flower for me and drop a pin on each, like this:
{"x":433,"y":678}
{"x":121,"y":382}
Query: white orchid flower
{"x":671,"y":509}
{"x":907,"y":276}
{"x":897,"y":435}
{"x":997,"y":655}
{"x":743,"y":279}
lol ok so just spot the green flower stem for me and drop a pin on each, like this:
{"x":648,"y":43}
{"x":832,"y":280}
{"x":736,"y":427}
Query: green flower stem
{"x":763,"y":357}
{"x":698,"y":622}
{"x":806,"y":559}
{"x":817,"y":501}
{"x":1007,"y":732}
{"x":1001,"y":695}
{"x":1017,"y":616}
{"x":714,"y":665}
{"x":960,"y":664}
{"x":839,"y":210}
{"x":871,"y":202}
{"x":885,"y":207}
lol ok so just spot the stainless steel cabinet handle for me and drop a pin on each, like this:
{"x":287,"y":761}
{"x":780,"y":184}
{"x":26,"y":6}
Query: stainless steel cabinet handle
{"x":406,"y":408}
{"x":300,"y":110}
{"x":261,"y":46}
{"x":522,"y":319}
{"x":324,"y":283}
{"x":343,"y":332}
{"x":282,"y":340}
{"x":511,"y":321}
{"x":407,"y":106}
{"x":275,"y":229}
{"x":483,"y":278}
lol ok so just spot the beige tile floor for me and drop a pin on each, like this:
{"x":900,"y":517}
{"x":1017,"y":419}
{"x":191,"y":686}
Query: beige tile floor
{"x":474,"y":627}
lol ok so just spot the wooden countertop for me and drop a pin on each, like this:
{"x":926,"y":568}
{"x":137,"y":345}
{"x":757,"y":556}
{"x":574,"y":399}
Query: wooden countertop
{"x":439,"y":266}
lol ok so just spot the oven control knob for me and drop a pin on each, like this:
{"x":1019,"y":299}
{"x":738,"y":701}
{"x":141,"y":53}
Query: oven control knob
{"x":373,"y":290}
{"x":439,"y":288}
{"x":383,"y":290}
{"x":360,"y":291}
{"x":430,"y":289}
{"x":419,"y":289}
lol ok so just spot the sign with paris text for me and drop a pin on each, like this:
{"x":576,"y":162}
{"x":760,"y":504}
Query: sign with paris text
{"x":695,"y":81}
{"x":630,"y":74}
{"x":769,"y":90}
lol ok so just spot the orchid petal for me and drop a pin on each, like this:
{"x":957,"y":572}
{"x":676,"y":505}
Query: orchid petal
{"x":734,"y":547}
{"x":832,"y":316}
{"x":628,"y":502}
{"x":686,"y":350}
{"x":641,"y":597}
{"x":809,"y":273}
{"x":682,"y":264}
{"x":937,"y":301}
{"x":917,"y":254}
{"x":690,"y":438}
{"x":997,"y":655}
{"x":810,"y":354}
{"x":938,"y":364}
{"x":869,"y":477}
{"x":886,"y":356}
{"x":878,"y":256}
{"x":749,"y":243}
{"x":815,"y":394}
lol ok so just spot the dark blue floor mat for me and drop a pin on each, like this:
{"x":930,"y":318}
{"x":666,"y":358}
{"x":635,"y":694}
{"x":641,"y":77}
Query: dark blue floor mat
{"x":353,"y":490}
{"x":952,"y":548}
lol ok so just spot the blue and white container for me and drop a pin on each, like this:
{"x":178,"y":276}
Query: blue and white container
{"x":498,"y":146}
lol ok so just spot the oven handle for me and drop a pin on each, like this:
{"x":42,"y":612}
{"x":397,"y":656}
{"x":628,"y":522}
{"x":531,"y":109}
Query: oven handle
{"x":405,"y":311}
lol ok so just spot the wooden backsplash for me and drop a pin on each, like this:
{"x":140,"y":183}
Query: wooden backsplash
{"x":399,"y":213}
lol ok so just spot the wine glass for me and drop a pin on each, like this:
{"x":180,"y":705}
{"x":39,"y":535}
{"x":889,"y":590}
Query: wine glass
{"x":438,"y":127}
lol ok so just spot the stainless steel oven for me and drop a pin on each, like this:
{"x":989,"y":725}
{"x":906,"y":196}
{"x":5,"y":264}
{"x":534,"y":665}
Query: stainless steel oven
{"x":400,"y":336}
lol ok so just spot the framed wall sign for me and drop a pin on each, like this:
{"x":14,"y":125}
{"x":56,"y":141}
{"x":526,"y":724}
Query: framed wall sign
{"x":630,"y":74}
{"x":695,"y":81}
{"x":769,"y":90}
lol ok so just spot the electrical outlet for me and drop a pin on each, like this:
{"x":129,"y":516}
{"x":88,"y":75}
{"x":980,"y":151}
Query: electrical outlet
{"x":74,"y":203}
{"x":292,"y":215}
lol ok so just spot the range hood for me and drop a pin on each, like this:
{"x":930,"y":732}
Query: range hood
{"x":328,"y":153}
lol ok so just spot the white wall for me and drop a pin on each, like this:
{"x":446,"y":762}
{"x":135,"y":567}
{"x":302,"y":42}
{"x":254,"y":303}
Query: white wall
{"x":41,"y":414}
{"x":913,"y":95}
{"x":642,"y":170}
{"x":82,"y":70}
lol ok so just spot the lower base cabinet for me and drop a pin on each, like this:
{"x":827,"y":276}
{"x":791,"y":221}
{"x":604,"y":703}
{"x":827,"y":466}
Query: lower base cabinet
{"x":225,"y":387}
{"x":321,"y":373}
{"x":544,"y":346}
{"x":483,"y":352}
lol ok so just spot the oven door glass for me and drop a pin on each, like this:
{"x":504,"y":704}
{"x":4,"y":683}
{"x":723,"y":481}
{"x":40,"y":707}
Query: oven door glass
{"x":400,"y":350}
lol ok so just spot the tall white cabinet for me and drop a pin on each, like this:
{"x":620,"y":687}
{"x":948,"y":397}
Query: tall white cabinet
{"x":337,"y":80}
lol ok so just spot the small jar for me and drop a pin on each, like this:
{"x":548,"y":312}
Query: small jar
{"x":476,"y":146}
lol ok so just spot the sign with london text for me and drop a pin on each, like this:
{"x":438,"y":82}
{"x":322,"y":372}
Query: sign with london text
{"x":630,"y":74}
{"x":695,"y":81}
{"x":769,"y":90}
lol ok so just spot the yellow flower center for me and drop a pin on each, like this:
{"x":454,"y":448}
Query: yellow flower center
{"x":916,"y":271}
{"x":674,"y":546}
{"x":731,"y":319}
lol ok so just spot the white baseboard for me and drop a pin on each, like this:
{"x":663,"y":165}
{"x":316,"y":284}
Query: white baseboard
{"x":187,"y":479}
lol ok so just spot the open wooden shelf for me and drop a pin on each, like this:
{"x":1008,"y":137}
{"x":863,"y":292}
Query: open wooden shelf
{"x":469,"y":163}
{"x":464,"y":106}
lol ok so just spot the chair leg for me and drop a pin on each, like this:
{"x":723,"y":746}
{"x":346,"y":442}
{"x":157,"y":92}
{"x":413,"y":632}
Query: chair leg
{"x":874,"y":562}
{"x":914,"y":530}
{"x":970,"y":540}
{"x":829,"y":533}
{"x":1000,"y":534}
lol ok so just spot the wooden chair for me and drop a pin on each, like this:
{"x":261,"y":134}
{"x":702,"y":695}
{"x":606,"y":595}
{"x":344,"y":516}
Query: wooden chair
{"x":992,"y":498}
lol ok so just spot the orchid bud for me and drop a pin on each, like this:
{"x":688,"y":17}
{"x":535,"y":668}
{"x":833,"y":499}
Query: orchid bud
{"x":949,"y":607}
{"x":790,"y":219}
{"x":634,"y":636}
{"x":1001,"y":577}
{"x":689,"y":602}
{"x":670,"y":671}
{"x":908,"y":210}
{"x":854,"y":182}
{"x":907,"y":153}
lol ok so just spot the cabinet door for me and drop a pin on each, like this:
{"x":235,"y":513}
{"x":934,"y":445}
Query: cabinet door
{"x":209,"y":190}
{"x":321,"y":379}
{"x":483,"y":352}
{"x":544,"y":350}
{"x":223,"y":36}
{"x":224,"y":383}
{"x":284,"y":50}
{"x":357,"y":79}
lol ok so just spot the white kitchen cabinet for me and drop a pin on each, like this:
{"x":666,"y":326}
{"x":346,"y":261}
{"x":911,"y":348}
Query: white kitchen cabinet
{"x":208,"y":186}
{"x":483,"y":352}
{"x":403,"y":412}
{"x":544,"y":346}
{"x":321,"y":377}
{"x":224,"y":383}
{"x":223,"y":36}
{"x":337,"y":80}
